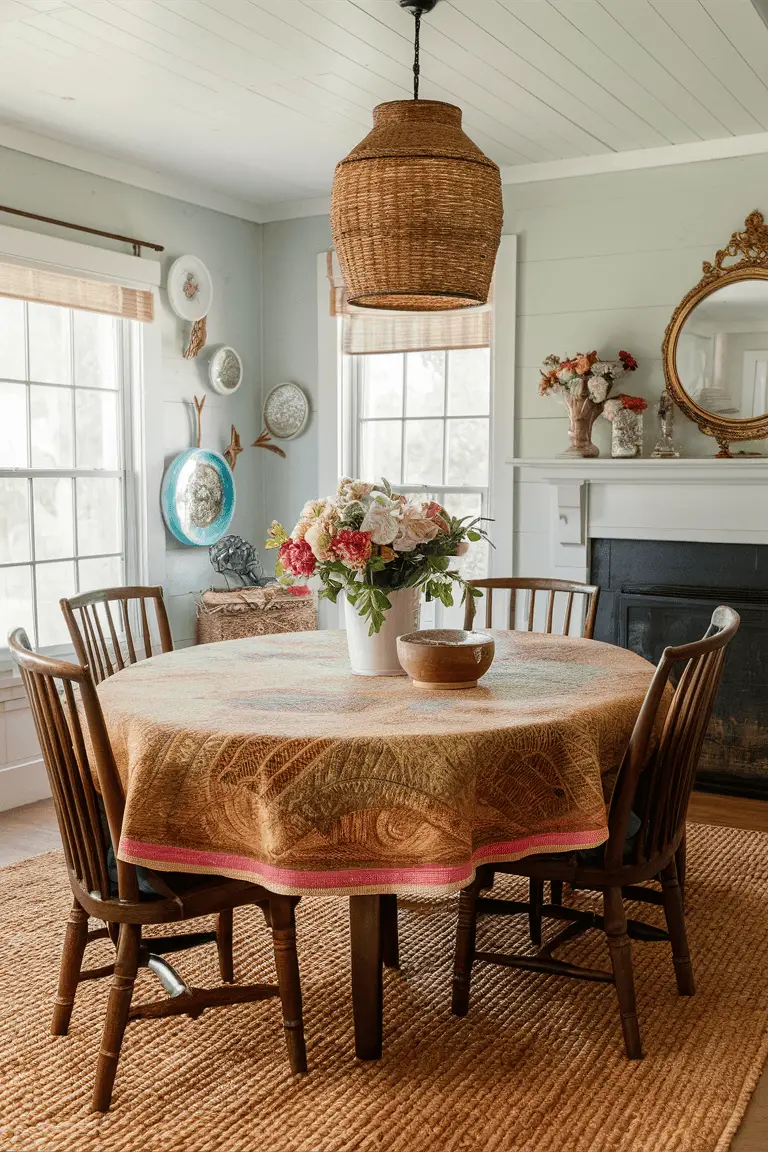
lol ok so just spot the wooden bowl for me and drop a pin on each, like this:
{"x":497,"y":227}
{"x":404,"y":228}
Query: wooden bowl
{"x":445,"y":658}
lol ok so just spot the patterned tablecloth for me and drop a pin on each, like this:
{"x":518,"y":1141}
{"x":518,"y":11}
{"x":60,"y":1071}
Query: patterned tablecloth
{"x":266,"y":759}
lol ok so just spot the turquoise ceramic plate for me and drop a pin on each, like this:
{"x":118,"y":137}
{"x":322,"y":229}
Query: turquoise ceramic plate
{"x":198,"y":496}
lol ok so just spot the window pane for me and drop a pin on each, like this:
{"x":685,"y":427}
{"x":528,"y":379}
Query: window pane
{"x":16,"y":602}
{"x":12,"y":343}
{"x":469,"y":382}
{"x":473,"y":565}
{"x":51,"y":427}
{"x":105,"y":572}
{"x":49,"y":344}
{"x":382,"y":385}
{"x":380,"y":450}
{"x":423,"y":452}
{"x":14,"y":524}
{"x":95,"y":350}
{"x":53,"y":582}
{"x":96,"y":417}
{"x":99,"y":516}
{"x":54,"y":536}
{"x":467,"y":452}
{"x":425,"y":376}
{"x":13,"y":425}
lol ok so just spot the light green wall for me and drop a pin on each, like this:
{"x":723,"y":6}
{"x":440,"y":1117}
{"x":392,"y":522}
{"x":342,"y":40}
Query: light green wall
{"x":603,"y":262}
{"x":231,"y":249}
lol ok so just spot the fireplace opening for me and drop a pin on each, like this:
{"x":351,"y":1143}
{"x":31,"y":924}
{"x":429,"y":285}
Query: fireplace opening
{"x":660,"y":593}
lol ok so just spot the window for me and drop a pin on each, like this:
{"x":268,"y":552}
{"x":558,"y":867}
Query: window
{"x":422,"y":420}
{"x":63,"y":399}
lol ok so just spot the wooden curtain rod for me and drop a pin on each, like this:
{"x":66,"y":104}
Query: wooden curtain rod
{"x":137,"y":244}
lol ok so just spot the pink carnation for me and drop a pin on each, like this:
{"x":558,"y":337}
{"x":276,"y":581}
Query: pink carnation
{"x":352,"y":548}
{"x":296,"y":558}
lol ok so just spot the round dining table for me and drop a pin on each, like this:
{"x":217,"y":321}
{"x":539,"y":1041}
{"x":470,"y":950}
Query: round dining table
{"x":266,"y":759}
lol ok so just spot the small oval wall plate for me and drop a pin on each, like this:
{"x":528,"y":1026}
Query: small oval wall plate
{"x":225,"y":370}
{"x":286,"y":411}
{"x":198,"y":496}
{"x":190,"y":289}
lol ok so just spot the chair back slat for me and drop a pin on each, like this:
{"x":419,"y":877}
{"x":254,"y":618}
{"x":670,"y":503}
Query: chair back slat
{"x":659,"y":768}
{"x":553,"y":588}
{"x":62,"y":698}
{"x":94,"y":633}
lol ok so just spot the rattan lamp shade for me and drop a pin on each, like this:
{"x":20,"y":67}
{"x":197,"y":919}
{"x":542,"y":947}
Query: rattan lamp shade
{"x":416,"y":212}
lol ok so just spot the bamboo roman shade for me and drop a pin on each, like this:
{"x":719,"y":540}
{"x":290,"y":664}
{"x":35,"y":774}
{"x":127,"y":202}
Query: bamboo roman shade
{"x":45,"y":287}
{"x":366,"y":330}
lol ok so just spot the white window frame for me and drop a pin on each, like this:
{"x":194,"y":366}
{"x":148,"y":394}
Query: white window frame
{"x":334,"y":410}
{"x":141,"y":457}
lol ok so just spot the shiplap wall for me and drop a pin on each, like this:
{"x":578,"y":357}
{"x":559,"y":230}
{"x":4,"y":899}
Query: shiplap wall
{"x":231,"y":249}
{"x":602,"y":263}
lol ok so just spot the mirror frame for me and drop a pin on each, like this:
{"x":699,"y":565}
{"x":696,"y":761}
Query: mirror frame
{"x":750,"y":250}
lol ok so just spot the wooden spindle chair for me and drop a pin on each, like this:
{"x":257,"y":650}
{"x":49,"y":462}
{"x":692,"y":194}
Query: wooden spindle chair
{"x":515,"y":584}
{"x":62,"y":697}
{"x":103,"y":640}
{"x":653,"y":788}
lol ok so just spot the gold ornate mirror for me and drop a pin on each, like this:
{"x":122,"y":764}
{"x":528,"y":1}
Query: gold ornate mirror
{"x":716,"y":345}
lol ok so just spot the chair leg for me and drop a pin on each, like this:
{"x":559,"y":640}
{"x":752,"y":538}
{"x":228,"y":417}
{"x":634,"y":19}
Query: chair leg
{"x":75,"y":941}
{"x":486,"y":876}
{"x":556,"y":891}
{"x":465,"y":947}
{"x":536,"y":901}
{"x":621,"y":961}
{"x":224,"y":932}
{"x":680,"y":862}
{"x":287,"y":964}
{"x":118,"y":1007}
{"x":675,"y":914}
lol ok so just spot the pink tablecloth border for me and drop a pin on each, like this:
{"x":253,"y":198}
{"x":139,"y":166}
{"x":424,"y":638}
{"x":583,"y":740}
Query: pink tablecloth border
{"x":433,"y":878}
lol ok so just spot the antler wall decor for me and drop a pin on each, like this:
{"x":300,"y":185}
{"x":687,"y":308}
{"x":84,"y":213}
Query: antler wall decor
{"x":265,"y":441}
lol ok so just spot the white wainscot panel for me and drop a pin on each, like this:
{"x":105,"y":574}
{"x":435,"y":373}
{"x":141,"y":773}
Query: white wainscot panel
{"x":678,"y":511}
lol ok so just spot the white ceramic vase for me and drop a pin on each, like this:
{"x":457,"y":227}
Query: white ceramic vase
{"x":377,"y":655}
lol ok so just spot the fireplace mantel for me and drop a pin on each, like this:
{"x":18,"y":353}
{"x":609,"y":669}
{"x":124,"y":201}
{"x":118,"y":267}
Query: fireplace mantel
{"x":738,"y":470}
{"x":574,"y":500}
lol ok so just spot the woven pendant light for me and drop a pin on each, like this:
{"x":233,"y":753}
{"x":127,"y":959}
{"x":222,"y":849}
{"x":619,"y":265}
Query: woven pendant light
{"x":416,"y":207}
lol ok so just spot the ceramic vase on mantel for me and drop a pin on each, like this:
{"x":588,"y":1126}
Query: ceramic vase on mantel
{"x":376,"y":655}
{"x":582,"y":413}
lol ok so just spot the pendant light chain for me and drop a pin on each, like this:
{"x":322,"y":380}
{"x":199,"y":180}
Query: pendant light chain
{"x":416,"y":68}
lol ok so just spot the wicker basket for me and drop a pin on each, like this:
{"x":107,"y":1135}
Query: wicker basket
{"x":253,"y":612}
{"x":416,"y":212}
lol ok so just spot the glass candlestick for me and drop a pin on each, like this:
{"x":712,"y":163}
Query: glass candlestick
{"x":665,"y":449}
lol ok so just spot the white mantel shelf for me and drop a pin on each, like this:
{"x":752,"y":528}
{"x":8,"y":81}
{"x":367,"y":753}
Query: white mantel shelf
{"x":738,"y":470}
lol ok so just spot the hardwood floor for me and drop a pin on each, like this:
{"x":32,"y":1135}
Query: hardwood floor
{"x":31,"y":830}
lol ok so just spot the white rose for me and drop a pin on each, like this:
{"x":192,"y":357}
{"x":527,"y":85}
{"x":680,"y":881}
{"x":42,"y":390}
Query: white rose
{"x":318,"y":539}
{"x":380,"y":520}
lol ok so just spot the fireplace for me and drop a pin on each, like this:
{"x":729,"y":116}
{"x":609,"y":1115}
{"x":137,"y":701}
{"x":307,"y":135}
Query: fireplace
{"x":656,"y":593}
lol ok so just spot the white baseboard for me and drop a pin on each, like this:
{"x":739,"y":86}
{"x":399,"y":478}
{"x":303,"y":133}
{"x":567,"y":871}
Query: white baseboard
{"x":23,"y":784}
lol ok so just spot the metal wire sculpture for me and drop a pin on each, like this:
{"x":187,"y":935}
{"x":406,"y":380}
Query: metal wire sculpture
{"x":234,"y":556}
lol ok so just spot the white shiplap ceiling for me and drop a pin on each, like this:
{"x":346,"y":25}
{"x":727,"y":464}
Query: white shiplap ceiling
{"x":248,"y":104}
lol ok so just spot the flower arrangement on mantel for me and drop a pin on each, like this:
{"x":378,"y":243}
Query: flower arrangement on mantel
{"x":584,"y":384}
{"x":625,"y":414}
{"x":368,"y":542}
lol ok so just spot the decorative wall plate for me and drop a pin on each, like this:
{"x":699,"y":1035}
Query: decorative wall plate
{"x":286,"y":411}
{"x":225,"y":370}
{"x":190,"y":290}
{"x":198,"y":496}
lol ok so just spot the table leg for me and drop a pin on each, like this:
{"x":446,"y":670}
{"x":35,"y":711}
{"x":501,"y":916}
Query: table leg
{"x":389,"y":937}
{"x":367,"y":994}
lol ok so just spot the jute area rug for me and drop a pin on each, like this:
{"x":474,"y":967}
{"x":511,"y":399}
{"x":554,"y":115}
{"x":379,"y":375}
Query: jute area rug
{"x":537,"y":1066}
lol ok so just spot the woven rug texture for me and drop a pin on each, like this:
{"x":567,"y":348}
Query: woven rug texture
{"x":537,"y":1066}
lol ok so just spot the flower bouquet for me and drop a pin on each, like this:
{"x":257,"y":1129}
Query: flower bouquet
{"x":584,"y":384}
{"x":382,"y":551}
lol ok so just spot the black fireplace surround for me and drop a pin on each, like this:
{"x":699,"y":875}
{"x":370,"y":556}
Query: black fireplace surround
{"x":656,"y":593}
